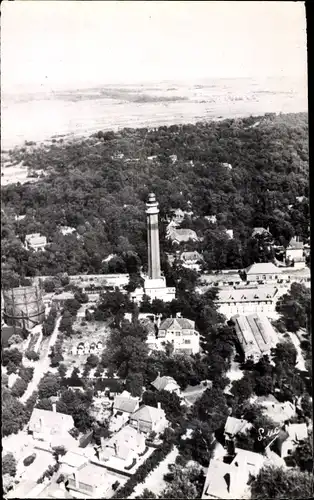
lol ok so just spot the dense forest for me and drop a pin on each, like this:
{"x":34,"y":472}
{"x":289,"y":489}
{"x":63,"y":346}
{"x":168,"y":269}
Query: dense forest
{"x":250,"y":172}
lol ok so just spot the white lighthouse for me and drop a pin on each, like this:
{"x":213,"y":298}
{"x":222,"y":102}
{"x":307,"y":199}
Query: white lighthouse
{"x":152,"y":212}
{"x":154,"y":283}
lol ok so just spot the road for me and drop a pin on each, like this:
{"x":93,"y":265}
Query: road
{"x":42,"y":365}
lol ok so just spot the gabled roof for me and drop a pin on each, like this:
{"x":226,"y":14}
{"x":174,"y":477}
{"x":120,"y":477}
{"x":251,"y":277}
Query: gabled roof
{"x":127,"y":440}
{"x":92,"y":475}
{"x":297,"y":432}
{"x":242,"y":295}
{"x":178,"y":323}
{"x":262,"y":268}
{"x":50,"y":420}
{"x":235,"y":426}
{"x":160,"y":383}
{"x":125,"y":402}
{"x":148,"y":414}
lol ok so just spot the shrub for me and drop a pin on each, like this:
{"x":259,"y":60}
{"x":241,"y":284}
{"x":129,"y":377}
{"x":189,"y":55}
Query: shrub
{"x":29,"y":460}
{"x":32,"y":355}
{"x":9,"y":464}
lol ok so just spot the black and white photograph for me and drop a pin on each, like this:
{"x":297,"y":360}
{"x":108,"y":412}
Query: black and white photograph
{"x":156,"y":337}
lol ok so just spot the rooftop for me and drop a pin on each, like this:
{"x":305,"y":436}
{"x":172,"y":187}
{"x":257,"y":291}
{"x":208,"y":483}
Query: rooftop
{"x":92,"y":475}
{"x":235,"y":426}
{"x":148,"y":414}
{"x":160,"y":383}
{"x":51,"y":420}
{"x":263,"y":268}
{"x":178,"y":323}
{"x":297,"y":432}
{"x":247,"y":294}
{"x":125,"y":402}
{"x":295,"y":244}
{"x":254,"y":331}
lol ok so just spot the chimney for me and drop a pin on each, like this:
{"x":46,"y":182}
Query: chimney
{"x":54,"y":407}
{"x":102,"y":443}
{"x":76,"y":479}
{"x":158,"y":375}
{"x":178,"y":315}
{"x":159,"y":406}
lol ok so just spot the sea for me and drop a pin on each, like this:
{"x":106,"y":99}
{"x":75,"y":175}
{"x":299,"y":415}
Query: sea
{"x":44,"y":115}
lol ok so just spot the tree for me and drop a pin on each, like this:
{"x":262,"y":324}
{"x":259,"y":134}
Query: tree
{"x":285,"y":353}
{"x":295,"y":307}
{"x":303,"y":455}
{"x":48,"y":386}
{"x":92,"y":361}
{"x":273,"y":482}
{"x":242,"y":389}
{"x":13,"y":355}
{"x":11,"y":368}
{"x":200,"y":444}
{"x":15,"y":339}
{"x":26,"y":373}
{"x":19,"y":387}
{"x":212,"y":408}
{"x":72,"y":306}
{"x":146,"y":494}
{"x":9,"y":464}
{"x":32,"y":355}
{"x":44,"y":404}
{"x":65,"y":324}
{"x":62,"y":370}
{"x":183,"y":484}
{"x":134,"y":384}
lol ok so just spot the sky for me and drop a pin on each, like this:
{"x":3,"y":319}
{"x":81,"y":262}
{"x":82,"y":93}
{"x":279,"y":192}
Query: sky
{"x":74,"y":44}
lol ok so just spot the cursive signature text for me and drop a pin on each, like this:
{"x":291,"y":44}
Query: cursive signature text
{"x":263,"y":435}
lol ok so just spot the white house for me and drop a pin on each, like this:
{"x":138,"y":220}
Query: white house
{"x":149,"y":419}
{"x":293,"y":435}
{"x":295,"y":252}
{"x":123,"y":406}
{"x":232,"y":301}
{"x":262,"y":271}
{"x":181,"y":333}
{"x":123,"y":450}
{"x":35,"y":241}
{"x":191,"y":260}
{"x":235,"y":426}
{"x":230,"y":480}
{"x":166,"y":384}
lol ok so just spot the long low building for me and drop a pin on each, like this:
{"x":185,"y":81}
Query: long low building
{"x":247,"y":300}
{"x":255,"y":334}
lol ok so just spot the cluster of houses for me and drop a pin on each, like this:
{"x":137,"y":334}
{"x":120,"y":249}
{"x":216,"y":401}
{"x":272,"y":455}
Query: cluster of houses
{"x":93,"y":471}
{"x":231,"y":469}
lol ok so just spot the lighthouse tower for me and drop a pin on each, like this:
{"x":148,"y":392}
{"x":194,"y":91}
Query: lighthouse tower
{"x":154,"y":283}
{"x":152,"y":212}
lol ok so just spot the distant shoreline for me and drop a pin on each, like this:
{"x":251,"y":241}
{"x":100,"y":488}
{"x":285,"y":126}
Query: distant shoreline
{"x":31,"y":116}
{"x":152,"y":123}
